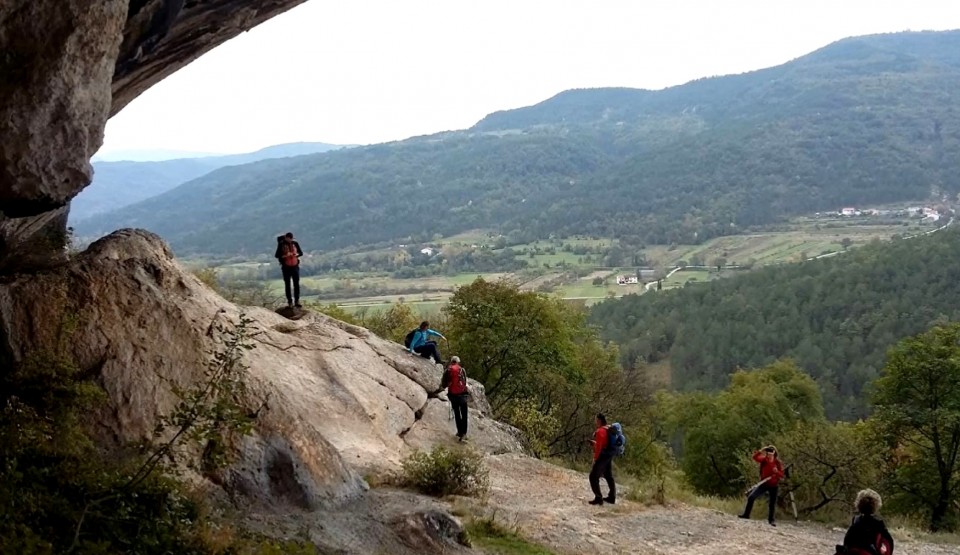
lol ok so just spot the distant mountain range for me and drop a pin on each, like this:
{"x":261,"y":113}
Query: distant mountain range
{"x":119,"y":183}
{"x":862,"y":121}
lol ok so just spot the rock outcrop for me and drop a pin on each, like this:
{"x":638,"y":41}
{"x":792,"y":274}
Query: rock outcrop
{"x":66,"y":67}
{"x":339,"y":402}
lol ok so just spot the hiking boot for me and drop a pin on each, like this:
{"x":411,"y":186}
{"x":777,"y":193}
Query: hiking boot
{"x":597,"y":501}
{"x":463,"y":439}
{"x":298,"y":305}
{"x":744,"y":516}
{"x":772,"y":523}
{"x":610,"y":500}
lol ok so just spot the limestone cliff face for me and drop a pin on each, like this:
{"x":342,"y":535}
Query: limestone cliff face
{"x":340,"y":402}
{"x":66,"y":66}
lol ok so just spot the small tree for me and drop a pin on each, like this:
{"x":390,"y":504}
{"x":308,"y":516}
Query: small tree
{"x":917,"y":404}
{"x":846,"y":242}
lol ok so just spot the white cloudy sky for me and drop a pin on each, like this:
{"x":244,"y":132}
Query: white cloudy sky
{"x":367,"y":71}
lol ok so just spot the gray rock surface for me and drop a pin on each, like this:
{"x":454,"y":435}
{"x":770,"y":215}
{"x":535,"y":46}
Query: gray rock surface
{"x":338,"y":401}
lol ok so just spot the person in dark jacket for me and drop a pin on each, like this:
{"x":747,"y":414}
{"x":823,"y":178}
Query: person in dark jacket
{"x":421,"y":345}
{"x":867,"y":535}
{"x":455,"y":380}
{"x":602,"y":463}
{"x":289,"y":253}
{"x":771,"y":471}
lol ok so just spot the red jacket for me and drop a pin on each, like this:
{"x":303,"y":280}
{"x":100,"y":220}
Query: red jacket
{"x":772,"y":470}
{"x":599,"y":441}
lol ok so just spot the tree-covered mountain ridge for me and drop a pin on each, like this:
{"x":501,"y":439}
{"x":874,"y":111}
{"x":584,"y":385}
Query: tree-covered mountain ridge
{"x":866,"y":120}
{"x":836,"y":317}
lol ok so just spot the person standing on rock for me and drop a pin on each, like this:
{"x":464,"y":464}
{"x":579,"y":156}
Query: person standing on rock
{"x":455,"y":380}
{"x":421,"y":345}
{"x":602,"y":463}
{"x":771,"y":471}
{"x":289,"y":253}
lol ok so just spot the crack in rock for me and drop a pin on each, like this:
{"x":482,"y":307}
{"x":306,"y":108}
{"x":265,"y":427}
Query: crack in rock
{"x":417,"y":416}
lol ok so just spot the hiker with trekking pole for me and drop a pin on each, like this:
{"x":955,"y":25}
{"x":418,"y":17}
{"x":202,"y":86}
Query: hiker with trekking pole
{"x":771,"y":472}
{"x":455,"y":380}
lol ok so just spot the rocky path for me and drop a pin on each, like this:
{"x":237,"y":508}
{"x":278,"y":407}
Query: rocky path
{"x":549,"y":504}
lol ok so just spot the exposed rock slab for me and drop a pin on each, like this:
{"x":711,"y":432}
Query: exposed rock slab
{"x":339,"y":401}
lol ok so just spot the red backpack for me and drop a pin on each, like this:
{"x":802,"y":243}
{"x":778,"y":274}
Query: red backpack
{"x":881,"y":546}
{"x":458,"y":380}
{"x":288,"y":254}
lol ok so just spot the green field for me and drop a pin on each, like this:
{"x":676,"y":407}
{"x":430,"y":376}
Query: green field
{"x":556,"y":272}
{"x":810,"y":238}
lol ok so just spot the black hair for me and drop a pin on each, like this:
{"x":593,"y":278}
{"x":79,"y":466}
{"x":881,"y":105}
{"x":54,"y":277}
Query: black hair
{"x":289,"y":235}
{"x":602,"y":418}
{"x":424,"y":324}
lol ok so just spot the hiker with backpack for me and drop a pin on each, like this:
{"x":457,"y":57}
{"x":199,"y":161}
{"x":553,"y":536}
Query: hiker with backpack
{"x":455,"y":380}
{"x":608,"y":442}
{"x":289,"y":253}
{"x":417,"y":341}
{"x":867,"y":535}
{"x":771,"y":471}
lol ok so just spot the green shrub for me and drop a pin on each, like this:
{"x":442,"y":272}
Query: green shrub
{"x":446,"y":472}
{"x":497,"y":538}
{"x":62,"y":493}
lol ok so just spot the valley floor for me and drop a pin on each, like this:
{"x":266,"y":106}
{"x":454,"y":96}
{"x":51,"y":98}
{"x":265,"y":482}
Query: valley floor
{"x":549,"y":504}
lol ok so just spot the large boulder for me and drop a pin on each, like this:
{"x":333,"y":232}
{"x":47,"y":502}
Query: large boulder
{"x":338,"y":401}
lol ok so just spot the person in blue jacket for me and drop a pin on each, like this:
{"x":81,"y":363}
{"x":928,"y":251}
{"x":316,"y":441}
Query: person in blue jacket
{"x":420,"y":342}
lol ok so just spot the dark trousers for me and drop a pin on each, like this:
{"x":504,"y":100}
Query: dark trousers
{"x":459,"y":405}
{"x":603,"y":467}
{"x":764,"y":489}
{"x":291,"y":273}
{"x":427,"y":350}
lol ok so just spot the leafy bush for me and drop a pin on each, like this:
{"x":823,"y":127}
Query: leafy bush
{"x":446,"y":472}
{"x":539,"y":426}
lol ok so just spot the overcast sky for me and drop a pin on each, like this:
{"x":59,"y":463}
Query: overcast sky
{"x":369,"y":71}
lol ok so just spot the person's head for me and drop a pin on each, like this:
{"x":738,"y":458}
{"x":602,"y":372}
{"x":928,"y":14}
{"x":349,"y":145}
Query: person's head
{"x":454,"y":360}
{"x":288,"y":237}
{"x":601,"y":419}
{"x":771,"y":452}
{"x":424,"y":325}
{"x":868,"y":502}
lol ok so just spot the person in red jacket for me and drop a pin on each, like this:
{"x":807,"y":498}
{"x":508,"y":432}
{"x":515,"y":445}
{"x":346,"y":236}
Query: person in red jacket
{"x":455,"y":380}
{"x":602,"y":463}
{"x":771,"y":471}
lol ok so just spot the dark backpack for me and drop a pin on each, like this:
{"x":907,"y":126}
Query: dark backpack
{"x":409,"y":338}
{"x":616,"y":441}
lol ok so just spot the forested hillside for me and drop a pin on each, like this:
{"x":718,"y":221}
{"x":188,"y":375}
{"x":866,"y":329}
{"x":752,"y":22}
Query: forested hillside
{"x":863,"y":121}
{"x":120,"y":183}
{"x":835,"y":317}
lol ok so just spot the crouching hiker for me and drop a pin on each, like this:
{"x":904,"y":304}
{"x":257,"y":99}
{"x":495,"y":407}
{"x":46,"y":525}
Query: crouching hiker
{"x":771,"y":471}
{"x":455,"y":380}
{"x":608,"y":442}
{"x":867,"y":535}
{"x":417,"y":341}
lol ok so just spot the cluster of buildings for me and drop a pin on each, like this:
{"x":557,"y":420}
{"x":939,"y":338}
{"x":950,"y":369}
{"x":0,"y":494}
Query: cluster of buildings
{"x":927,"y":213}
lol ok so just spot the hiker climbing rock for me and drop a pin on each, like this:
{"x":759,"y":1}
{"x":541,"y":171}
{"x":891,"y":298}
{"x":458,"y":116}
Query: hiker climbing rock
{"x":455,"y":380}
{"x":417,"y":341}
{"x":867,"y":535}
{"x":608,"y":442}
{"x":771,"y":471}
{"x":289,"y":253}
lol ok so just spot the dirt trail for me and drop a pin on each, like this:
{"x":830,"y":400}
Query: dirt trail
{"x":549,"y":504}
